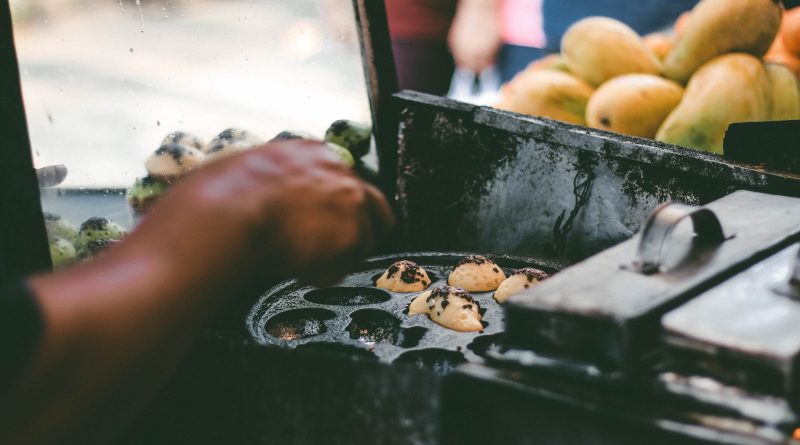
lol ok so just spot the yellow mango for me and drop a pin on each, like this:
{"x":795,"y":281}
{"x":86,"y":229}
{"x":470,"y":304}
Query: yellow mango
{"x":784,"y":92}
{"x":633,"y":104}
{"x":717,"y":27}
{"x":660,"y":44}
{"x":548,"y":62}
{"x":599,"y":48}
{"x":727,"y":89}
{"x":549,"y":93}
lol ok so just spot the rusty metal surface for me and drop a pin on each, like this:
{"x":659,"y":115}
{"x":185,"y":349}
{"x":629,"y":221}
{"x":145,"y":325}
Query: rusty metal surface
{"x":473,"y":178}
{"x":605,"y":311}
{"x":742,"y":328}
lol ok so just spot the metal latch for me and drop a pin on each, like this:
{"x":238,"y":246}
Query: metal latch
{"x":791,"y":287}
{"x":660,"y":225}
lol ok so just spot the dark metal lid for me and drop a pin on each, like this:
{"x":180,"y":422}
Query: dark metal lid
{"x":745,"y":331}
{"x":606,"y":310}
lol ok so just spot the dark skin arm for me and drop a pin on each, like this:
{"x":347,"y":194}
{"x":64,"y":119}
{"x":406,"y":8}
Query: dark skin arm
{"x":474,"y":37}
{"x":116,"y":327}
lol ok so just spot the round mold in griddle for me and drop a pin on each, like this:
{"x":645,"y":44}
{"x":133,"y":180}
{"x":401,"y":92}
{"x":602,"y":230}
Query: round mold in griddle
{"x":372,"y":326}
{"x":347,"y":296}
{"x":375,"y":320}
{"x":485,"y":344}
{"x":298,"y":323}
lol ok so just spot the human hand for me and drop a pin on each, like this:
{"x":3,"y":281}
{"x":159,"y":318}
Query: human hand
{"x":117,"y":325}
{"x":285,"y":209}
{"x":474,"y":36}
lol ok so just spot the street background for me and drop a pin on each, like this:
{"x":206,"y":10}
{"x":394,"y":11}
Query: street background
{"x":105,"y":81}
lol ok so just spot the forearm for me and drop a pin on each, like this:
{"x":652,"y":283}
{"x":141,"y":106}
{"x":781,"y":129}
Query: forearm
{"x":485,"y":5}
{"x":116,"y":326}
{"x":113,"y":329}
{"x":475,"y":34}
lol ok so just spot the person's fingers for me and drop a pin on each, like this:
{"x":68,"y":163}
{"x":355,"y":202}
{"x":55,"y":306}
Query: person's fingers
{"x":380,"y":211}
{"x":362,"y":226}
{"x":331,"y":266}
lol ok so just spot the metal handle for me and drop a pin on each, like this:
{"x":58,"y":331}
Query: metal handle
{"x":660,"y":225}
{"x":791,"y":288}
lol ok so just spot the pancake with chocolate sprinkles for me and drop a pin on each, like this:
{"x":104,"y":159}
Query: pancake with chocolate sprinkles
{"x":476,"y":273}
{"x":519,"y":281}
{"x":451,"y":307}
{"x":404,"y":276}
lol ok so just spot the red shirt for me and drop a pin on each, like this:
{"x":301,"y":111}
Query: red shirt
{"x":420,"y":19}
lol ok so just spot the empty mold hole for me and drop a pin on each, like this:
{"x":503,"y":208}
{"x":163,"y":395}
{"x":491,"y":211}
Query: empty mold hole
{"x":374,"y":326}
{"x":299,"y":323}
{"x":440,"y":361}
{"x":347,"y":296}
{"x":484,"y":344}
{"x":412,"y":336}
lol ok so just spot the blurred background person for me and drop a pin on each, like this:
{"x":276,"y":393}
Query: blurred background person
{"x":419,"y":30}
{"x":522,"y":34}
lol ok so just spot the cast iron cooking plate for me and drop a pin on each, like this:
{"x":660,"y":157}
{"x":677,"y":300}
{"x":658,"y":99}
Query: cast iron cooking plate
{"x":369,"y":320}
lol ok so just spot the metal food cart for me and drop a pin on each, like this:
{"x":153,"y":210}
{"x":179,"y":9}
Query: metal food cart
{"x":476,"y":179}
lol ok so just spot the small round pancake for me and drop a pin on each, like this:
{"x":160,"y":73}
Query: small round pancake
{"x":420,"y":304}
{"x":183,"y":138}
{"x":171,"y":161}
{"x":230,"y":141}
{"x":517,"y":282}
{"x":476,"y":273}
{"x":451,"y":307}
{"x":404,"y":276}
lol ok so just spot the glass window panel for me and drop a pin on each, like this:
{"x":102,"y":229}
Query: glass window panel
{"x":105,"y":81}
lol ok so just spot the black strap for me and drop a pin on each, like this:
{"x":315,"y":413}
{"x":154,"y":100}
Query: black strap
{"x":21,"y":327}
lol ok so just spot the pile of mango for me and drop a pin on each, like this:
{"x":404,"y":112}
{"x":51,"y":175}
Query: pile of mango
{"x":726,"y":61}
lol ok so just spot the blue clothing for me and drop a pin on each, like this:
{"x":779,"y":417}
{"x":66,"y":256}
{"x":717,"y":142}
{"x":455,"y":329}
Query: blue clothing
{"x":514,"y":58}
{"x":644,"y":16}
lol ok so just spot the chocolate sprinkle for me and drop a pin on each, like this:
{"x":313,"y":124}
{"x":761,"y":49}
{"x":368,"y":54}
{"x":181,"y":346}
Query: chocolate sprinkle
{"x":96,"y":246}
{"x":229,"y":134}
{"x":286,"y":136}
{"x":409,"y":273}
{"x":177,"y":151}
{"x":338,"y":127}
{"x":94,"y":223}
{"x":176,"y":136}
{"x":445,"y":291}
{"x":477,"y":259}
{"x":147,"y":181}
{"x":532,"y":274}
